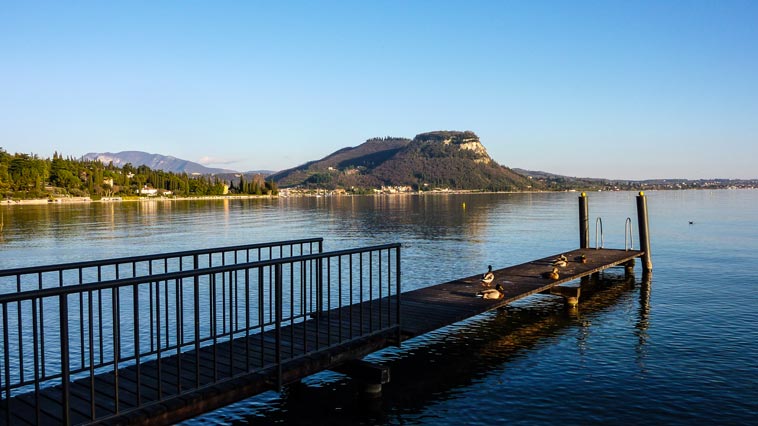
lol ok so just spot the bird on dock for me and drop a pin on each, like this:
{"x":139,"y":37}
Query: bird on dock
{"x":553,"y":275}
{"x":560,"y":261}
{"x":581,"y":259}
{"x":491,"y":293}
{"x":488,"y":277}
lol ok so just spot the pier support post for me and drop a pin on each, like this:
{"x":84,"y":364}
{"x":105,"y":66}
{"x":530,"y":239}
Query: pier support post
{"x":584,"y":221}
{"x":371,"y":376}
{"x":569,"y":294}
{"x":647,"y":264}
{"x":629,"y":268}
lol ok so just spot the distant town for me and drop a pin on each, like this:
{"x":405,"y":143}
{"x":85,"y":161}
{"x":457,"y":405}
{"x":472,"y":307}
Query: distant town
{"x":567,"y":183}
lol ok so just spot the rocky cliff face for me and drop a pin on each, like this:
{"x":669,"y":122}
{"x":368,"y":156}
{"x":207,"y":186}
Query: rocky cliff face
{"x":467,"y":140}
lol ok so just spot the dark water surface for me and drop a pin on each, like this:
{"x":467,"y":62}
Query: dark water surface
{"x":680,"y":349}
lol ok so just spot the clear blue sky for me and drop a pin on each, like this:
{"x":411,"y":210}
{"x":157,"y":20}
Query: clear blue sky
{"x":618,"y":89}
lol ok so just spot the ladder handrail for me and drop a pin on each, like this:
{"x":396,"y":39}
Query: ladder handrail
{"x":628,"y":235}
{"x":599,"y":222}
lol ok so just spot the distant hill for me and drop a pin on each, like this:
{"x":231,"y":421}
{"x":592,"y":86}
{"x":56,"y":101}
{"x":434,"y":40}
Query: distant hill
{"x":441,"y":159}
{"x":154,"y":161}
{"x":345,"y":167}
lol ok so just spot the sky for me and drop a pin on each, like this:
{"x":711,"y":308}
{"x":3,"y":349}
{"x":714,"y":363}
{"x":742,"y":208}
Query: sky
{"x":613,"y":89}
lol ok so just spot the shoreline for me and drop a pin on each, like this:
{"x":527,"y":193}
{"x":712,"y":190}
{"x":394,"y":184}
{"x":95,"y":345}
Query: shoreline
{"x":107,"y":200}
{"x":85,"y":200}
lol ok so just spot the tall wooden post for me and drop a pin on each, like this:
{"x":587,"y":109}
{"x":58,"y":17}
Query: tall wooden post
{"x":647,"y":264}
{"x":584,"y":221}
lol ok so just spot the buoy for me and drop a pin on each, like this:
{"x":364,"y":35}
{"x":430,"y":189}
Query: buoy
{"x":464,"y":205}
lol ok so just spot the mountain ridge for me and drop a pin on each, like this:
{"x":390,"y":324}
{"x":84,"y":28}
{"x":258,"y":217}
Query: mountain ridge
{"x":165,"y":163}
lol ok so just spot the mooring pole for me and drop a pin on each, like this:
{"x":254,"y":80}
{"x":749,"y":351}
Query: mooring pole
{"x":584,"y":221}
{"x":647,"y":264}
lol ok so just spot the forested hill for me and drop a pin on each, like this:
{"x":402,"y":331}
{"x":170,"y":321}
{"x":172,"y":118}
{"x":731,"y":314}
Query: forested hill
{"x":449,"y":159}
{"x":348,"y":167}
{"x":24,"y":176}
{"x":441,"y":159}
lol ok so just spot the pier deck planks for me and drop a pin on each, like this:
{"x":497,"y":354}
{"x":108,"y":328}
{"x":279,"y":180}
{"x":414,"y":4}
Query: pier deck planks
{"x":430,"y":308}
{"x":422,"y":311}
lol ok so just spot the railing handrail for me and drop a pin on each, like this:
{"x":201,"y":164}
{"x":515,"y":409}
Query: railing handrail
{"x":142,"y":258}
{"x":124,"y":282}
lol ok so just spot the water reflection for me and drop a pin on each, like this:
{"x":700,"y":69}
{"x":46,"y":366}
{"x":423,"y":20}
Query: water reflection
{"x":643,"y":321}
{"x":435,"y":367}
{"x":497,"y":229}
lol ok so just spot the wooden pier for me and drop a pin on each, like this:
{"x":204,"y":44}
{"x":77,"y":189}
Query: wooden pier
{"x":434,"y":307}
{"x":276,"y":345}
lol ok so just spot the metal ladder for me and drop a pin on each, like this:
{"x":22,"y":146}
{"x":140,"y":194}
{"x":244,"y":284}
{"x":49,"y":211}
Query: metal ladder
{"x":628,"y":234}
{"x":599,"y":225}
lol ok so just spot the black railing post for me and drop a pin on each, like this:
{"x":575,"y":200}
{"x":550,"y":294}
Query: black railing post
{"x":6,"y":364}
{"x":35,"y":343}
{"x":196,"y":309}
{"x":647,"y":264}
{"x":137,"y":363}
{"x":65,"y":374}
{"x":278,"y":325}
{"x":319,"y":286}
{"x":116,"y":317}
{"x":584,"y":221}
{"x":397,"y":294}
{"x":320,"y":280}
{"x":158,"y":362}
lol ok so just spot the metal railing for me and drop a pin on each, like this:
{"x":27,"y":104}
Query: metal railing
{"x":39,"y":277}
{"x":106,"y":348}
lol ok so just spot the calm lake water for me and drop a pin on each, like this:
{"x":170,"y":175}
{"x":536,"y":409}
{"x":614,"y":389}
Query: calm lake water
{"x":680,"y":349}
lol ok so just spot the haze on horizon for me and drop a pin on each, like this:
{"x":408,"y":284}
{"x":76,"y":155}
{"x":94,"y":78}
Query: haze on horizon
{"x":620,"y":90}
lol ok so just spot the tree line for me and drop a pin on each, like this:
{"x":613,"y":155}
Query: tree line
{"x":26,"y":176}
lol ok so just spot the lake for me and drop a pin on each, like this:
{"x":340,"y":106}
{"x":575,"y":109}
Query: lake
{"x":679,"y":349}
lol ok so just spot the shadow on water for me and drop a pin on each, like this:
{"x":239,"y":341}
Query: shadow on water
{"x":452,"y":359}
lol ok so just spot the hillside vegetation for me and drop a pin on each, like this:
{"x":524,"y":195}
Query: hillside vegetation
{"x":24,"y":176}
{"x":441,"y":159}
